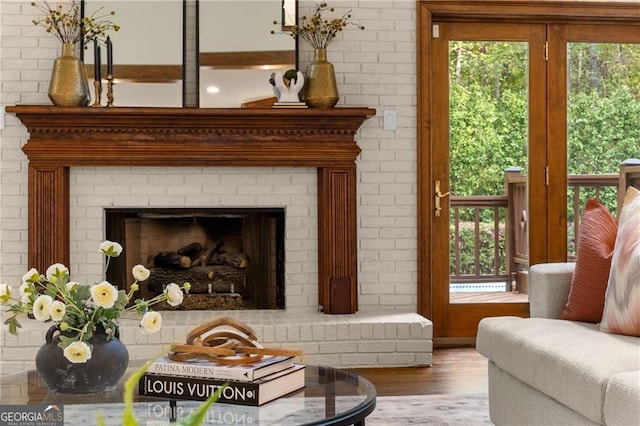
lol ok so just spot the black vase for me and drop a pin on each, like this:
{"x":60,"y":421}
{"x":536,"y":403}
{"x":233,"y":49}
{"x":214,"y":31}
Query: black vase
{"x":101,"y":373}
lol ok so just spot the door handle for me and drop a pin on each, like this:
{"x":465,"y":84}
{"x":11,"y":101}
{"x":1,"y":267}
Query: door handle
{"x":438,"y":196}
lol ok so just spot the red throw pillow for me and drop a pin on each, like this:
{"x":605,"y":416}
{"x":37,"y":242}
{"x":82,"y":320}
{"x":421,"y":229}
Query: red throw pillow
{"x":598,"y":230}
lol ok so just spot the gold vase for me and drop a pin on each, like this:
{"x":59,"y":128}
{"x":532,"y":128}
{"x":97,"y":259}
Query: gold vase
{"x":321,"y":90}
{"x":69,"y":85}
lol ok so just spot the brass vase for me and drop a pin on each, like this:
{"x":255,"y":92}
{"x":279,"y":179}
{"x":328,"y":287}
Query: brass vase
{"x":69,"y":85}
{"x":321,"y":90}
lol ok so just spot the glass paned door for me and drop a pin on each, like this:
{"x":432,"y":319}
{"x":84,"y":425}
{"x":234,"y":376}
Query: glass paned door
{"x":488,"y":121}
{"x":603,"y":106}
{"x":581,"y":109}
{"x":593,"y":119}
{"x":487,"y":146}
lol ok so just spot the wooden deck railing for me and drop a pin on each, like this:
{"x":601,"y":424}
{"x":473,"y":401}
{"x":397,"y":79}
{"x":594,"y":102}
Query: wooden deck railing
{"x":478,"y":239}
{"x":602,"y":187}
{"x":489,"y":240}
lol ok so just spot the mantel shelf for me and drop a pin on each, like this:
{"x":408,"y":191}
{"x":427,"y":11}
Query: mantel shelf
{"x":61,"y":138}
{"x":146,"y":136}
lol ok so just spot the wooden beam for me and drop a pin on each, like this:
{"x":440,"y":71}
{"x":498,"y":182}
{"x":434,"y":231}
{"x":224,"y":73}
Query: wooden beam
{"x":246,"y":60}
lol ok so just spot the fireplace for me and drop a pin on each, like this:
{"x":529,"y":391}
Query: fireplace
{"x":233,"y":257}
{"x":61,"y":138}
{"x":81,"y":158}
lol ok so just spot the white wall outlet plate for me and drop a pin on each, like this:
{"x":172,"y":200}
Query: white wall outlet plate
{"x":389,"y":119}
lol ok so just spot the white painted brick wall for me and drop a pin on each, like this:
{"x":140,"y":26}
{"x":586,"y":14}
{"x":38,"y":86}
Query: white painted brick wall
{"x":375,"y":68}
{"x":94,"y":189}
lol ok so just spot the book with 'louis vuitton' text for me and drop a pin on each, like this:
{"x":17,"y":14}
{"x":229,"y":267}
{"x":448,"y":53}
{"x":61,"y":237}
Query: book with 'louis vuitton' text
{"x":256,"y":393}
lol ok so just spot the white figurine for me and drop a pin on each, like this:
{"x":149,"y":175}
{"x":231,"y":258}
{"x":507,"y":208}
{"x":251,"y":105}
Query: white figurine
{"x":290,"y":93}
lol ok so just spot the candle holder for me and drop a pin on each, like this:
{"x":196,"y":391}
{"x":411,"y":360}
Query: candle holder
{"x":110,"y":90}
{"x":97,"y":84}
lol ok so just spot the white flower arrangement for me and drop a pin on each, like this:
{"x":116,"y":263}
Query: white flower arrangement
{"x":77,"y":310}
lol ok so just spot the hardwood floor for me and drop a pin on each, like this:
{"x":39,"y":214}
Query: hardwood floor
{"x":488,"y":297}
{"x":454,"y":371}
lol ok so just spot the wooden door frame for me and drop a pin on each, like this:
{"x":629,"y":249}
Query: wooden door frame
{"x":540,"y":11}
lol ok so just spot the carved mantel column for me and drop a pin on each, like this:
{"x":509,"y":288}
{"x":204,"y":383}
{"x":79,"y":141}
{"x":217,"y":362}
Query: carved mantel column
{"x":48,"y":207}
{"x":61,"y":138}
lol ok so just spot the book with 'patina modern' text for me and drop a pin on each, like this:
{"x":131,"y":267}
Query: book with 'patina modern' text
{"x":207,"y":369}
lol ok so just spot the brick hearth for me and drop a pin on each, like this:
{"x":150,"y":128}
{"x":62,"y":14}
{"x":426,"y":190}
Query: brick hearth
{"x":355,"y":340}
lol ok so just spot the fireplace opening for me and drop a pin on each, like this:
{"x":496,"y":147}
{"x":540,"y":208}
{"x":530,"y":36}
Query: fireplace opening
{"x":232,"y":257}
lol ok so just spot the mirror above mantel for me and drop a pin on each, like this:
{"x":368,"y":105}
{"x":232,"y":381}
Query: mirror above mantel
{"x":174,"y":53}
{"x":147,"y":51}
{"x":238,"y":53}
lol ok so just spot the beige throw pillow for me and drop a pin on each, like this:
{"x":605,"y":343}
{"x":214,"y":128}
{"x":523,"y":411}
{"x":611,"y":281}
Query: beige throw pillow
{"x":622,"y":302}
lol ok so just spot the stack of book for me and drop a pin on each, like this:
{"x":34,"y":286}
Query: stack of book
{"x":249,"y":384}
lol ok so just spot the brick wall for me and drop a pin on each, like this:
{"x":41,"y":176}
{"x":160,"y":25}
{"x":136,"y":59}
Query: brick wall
{"x":295,"y":189}
{"x":375,"y":68}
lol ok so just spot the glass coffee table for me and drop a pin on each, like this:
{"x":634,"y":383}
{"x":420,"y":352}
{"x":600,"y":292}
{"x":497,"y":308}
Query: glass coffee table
{"x":330,"y":397}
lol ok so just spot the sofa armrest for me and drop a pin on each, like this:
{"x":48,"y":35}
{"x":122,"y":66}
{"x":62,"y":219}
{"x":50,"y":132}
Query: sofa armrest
{"x":549,"y":285}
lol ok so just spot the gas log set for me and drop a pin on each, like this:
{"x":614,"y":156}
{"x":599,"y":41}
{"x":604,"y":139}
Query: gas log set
{"x":218,"y":278}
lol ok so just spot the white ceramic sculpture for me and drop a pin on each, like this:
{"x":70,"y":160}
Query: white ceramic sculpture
{"x":290,"y":93}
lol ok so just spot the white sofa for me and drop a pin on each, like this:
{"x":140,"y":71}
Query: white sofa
{"x":546,"y":371}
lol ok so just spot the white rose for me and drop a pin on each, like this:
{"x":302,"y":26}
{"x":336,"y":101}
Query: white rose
{"x":54,"y":270}
{"x":151,"y":322}
{"x":5,"y":289}
{"x":42,"y":307}
{"x":57,"y":310}
{"x":77,"y":352}
{"x":31,"y":275}
{"x":25,"y":292}
{"x":140,"y":273}
{"x":5,"y":292}
{"x":110,"y":248}
{"x":174,"y":294}
{"x":104,"y":294}
{"x":24,"y":289}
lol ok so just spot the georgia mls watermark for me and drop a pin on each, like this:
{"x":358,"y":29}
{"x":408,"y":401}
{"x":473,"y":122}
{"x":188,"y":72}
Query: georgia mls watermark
{"x":31,"y":415}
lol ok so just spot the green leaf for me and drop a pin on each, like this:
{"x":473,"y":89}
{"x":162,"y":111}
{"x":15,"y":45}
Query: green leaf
{"x":122,"y":300}
{"x":90,"y":328}
{"x":82,"y":291}
{"x":128,"y":416}
{"x":141,"y":306}
{"x":198,"y":417}
{"x":51,"y":290}
{"x":66,"y":341}
{"x":13,"y":324}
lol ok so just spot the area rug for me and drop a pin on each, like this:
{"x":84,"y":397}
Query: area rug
{"x":441,"y":410}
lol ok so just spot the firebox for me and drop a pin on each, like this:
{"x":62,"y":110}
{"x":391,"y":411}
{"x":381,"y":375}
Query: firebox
{"x":233,"y":258}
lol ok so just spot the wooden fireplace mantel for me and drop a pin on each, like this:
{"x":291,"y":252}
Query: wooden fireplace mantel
{"x":61,"y":138}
